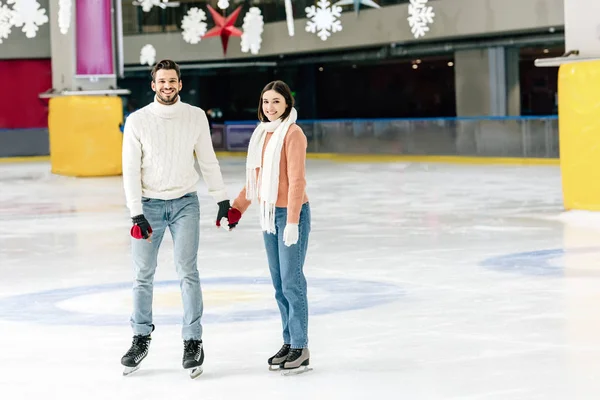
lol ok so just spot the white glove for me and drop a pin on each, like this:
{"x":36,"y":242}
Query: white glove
{"x":290,"y":234}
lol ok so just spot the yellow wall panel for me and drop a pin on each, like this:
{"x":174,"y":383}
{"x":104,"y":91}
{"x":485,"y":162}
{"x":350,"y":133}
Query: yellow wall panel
{"x":85,"y":139}
{"x":579,"y":134}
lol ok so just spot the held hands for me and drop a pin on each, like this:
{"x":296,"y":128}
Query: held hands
{"x":224,"y":207}
{"x":141,"y":228}
{"x":290,"y":234}
{"x":232,"y":214}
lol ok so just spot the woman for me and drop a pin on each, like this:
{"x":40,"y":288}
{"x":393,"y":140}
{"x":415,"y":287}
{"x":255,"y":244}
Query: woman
{"x":275,"y":177}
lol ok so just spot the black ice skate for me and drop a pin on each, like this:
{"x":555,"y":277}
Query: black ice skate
{"x":278,"y":358}
{"x":136,"y":353}
{"x":296,"y":362}
{"x":193,"y":357}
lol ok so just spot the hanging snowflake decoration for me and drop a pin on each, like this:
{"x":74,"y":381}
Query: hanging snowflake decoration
{"x":64,"y":15}
{"x":148,"y":4}
{"x":223,"y":4}
{"x":29,"y":15}
{"x":193,"y":26}
{"x":148,"y":55}
{"x":323,"y":20}
{"x":253,"y":29}
{"x":420,"y":15}
{"x":5,"y":24}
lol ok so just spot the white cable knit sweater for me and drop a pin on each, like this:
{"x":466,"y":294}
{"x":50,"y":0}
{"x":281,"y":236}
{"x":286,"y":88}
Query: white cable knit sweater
{"x":158,"y":154}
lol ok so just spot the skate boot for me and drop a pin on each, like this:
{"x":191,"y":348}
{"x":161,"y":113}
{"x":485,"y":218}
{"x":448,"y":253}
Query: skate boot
{"x":278,"y":358}
{"x":193,"y":357}
{"x":296,"y":362}
{"x":136,"y":353}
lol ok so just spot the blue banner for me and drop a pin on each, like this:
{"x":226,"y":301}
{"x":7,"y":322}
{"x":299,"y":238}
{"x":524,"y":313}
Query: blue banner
{"x":238,"y":136}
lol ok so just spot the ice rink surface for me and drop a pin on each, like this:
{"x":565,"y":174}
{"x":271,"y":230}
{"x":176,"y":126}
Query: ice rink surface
{"x":426,"y":281}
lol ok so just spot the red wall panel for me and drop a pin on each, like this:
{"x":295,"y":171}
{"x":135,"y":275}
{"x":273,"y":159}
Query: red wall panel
{"x":21,"y":82}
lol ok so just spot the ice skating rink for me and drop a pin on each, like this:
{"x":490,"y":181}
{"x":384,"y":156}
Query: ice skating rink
{"x":426,"y":281}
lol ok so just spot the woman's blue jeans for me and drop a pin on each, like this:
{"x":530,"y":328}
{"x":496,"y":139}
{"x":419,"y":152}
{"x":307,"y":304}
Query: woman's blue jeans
{"x":286,"y":265}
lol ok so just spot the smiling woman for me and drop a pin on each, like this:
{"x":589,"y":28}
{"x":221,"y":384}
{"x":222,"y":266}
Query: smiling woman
{"x":276,"y":102}
{"x":276,"y":178}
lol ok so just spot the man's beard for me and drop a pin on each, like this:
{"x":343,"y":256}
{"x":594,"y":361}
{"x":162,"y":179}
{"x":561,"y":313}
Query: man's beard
{"x":164,"y":100}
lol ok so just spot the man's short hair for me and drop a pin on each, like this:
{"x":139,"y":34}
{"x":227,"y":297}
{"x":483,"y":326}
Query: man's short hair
{"x":166,"y":64}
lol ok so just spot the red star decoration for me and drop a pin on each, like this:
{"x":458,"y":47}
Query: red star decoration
{"x":224,"y":26}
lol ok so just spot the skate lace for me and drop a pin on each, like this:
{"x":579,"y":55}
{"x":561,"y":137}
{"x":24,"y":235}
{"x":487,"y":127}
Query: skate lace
{"x":294,"y":354}
{"x":283,"y":351}
{"x":191,"y":346}
{"x":138,"y":345}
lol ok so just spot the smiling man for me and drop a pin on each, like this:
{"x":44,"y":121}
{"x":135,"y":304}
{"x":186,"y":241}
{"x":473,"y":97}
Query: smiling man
{"x":160,"y":183}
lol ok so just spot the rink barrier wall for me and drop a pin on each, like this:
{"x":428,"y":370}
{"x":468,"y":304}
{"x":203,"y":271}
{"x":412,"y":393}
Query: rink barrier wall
{"x":496,"y":137}
{"x":30,"y":142}
{"x":473,"y":140}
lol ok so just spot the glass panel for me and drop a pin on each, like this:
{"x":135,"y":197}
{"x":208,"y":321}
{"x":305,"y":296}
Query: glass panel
{"x":490,"y":137}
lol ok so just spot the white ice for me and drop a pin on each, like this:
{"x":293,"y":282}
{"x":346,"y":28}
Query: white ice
{"x":426,"y":281}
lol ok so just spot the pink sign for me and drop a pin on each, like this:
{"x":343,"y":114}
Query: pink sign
{"x":94,"y":47}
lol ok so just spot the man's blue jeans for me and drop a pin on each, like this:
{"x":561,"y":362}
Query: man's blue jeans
{"x":182,"y":217}
{"x":286,"y":265}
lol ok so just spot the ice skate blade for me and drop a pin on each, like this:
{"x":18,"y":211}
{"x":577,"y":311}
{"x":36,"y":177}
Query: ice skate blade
{"x":195,"y":372}
{"x":130,"y":370}
{"x":295,"y":371}
{"x":274,"y":367}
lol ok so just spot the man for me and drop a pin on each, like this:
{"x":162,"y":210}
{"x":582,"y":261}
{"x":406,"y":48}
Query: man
{"x":160,"y":182}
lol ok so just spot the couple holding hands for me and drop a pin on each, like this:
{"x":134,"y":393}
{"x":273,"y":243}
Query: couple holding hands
{"x":160,"y":181}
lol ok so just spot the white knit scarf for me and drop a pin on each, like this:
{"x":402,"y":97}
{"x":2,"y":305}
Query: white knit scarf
{"x":264,"y":186}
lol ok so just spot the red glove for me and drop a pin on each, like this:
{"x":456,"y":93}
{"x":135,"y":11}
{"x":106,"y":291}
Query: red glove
{"x":233,"y":216}
{"x":141,"y":228}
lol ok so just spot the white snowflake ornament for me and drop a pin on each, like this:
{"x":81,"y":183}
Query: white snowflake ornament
{"x":64,"y":15}
{"x":223,"y":4}
{"x":5,"y":24}
{"x":148,"y":4}
{"x":29,"y":15}
{"x":323,"y":20}
{"x":148,"y":55}
{"x":193,"y":26}
{"x":420,"y":15}
{"x":253,"y":28}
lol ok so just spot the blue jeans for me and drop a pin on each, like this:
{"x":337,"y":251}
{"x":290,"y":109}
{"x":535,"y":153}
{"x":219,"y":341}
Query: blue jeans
{"x":182,"y":217}
{"x":286,"y":267}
